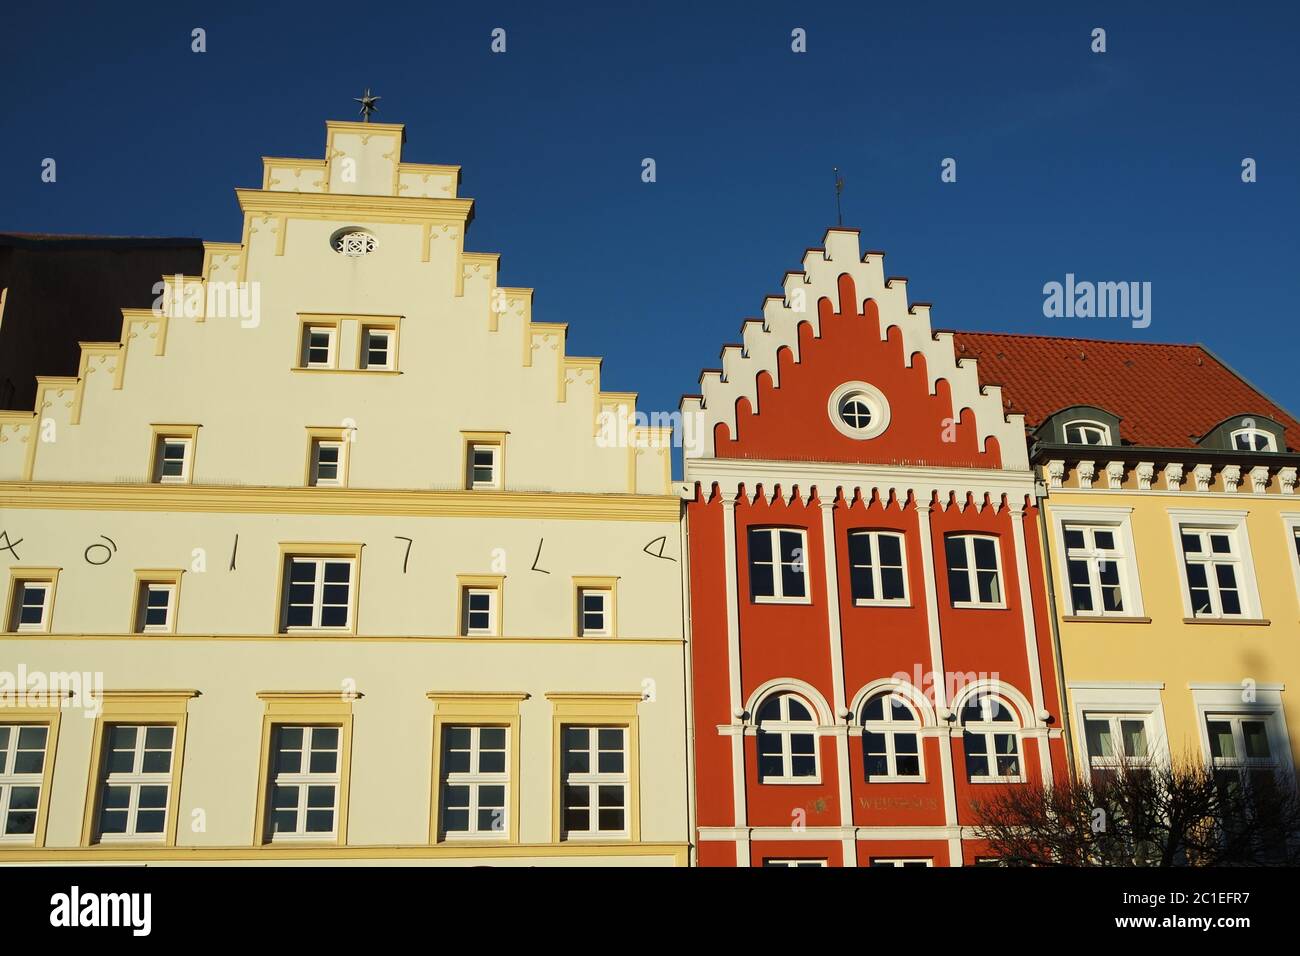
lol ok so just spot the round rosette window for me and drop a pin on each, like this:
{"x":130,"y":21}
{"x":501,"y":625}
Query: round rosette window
{"x":858,"y":410}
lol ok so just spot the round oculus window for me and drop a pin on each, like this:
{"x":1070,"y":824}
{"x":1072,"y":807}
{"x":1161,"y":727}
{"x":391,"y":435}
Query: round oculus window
{"x":858,"y":410}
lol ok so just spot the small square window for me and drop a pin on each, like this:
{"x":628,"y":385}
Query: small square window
{"x":172,"y":457}
{"x":156,"y":607}
{"x":479,"y":611}
{"x":318,"y":346}
{"x":31,"y":604}
{"x":327,"y":463}
{"x":484,"y":470}
{"x":378,"y":349}
{"x":594,"y":612}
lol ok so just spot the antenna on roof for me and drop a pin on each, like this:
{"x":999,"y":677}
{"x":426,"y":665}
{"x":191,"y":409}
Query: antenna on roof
{"x":839,"y":188}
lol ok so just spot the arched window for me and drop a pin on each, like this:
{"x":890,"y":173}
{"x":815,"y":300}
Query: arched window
{"x":1083,"y":432}
{"x":787,"y":740}
{"x":1253,"y":439}
{"x":991,"y":740}
{"x":891,"y":742}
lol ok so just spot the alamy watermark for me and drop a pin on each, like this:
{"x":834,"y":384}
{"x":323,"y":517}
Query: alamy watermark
{"x":1084,"y":299}
{"x":210,"y":299}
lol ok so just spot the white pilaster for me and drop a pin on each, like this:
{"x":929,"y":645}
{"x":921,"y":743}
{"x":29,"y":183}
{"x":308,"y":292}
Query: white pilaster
{"x":838,"y":691}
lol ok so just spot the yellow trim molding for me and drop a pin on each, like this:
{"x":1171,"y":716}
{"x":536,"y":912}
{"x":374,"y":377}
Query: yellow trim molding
{"x":611,"y":709}
{"x":496,"y":582}
{"x":482,"y":709}
{"x":328,"y":433}
{"x":573,"y":506}
{"x":160,"y":433}
{"x":147,"y":708}
{"x":147,"y":576}
{"x":589,"y":583}
{"x":497,"y":439}
{"x":38,"y":710}
{"x":18,"y":574}
{"x":324,"y":708}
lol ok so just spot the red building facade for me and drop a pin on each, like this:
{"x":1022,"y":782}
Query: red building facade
{"x":871,"y":648}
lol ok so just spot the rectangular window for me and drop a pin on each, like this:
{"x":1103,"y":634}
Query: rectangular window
{"x":318,"y":593}
{"x":378,"y":348}
{"x":480,"y":611}
{"x":305,"y":781}
{"x":898,"y":861}
{"x":172,"y":459}
{"x":156,"y":607}
{"x":593,"y":608}
{"x":22,"y":774}
{"x":318,"y":346}
{"x":475,"y":782}
{"x":595,"y":781}
{"x":1212,"y":565}
{"x":777,"y":569}
{"x":772,"y":861}
{"x":136,"y":782}
{"x":974,"y":575}
{"x":327,"y":463}
{"x":483,"y":471}
{"x":1114,"y":741}
{"x":31,"y":602}
{"x":876,"y":569}
{"x":1095,"y":561}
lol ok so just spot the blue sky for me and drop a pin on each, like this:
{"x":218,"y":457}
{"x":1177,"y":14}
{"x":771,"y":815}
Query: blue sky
{"x":1122,"y":166}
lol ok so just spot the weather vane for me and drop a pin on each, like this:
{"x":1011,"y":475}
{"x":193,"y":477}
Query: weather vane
{"x":367,"y":104}
{"x":839,"y":188}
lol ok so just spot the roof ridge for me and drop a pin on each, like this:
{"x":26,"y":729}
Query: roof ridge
{"x":1075,"y":338}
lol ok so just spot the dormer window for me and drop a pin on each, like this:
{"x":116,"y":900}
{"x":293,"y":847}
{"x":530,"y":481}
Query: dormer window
{"x":1253,"y":439}
{"x":1084,"y":432}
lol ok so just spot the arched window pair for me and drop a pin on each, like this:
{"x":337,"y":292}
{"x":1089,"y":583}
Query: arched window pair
{"x":788,"y":730}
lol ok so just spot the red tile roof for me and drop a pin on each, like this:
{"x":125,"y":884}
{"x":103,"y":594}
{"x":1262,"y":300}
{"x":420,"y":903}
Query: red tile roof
{"x":1166,"y":396}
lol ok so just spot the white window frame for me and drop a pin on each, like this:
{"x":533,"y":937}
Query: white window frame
{"x":876,"y":568}
{"x":170,"y":588}
{"x":888,"y":727}
{"x":1270,"y":442}
{"x":1116,"y":719}
{"x":10,"y":779}
{"x":304,"y":780}
{"x":474,"y":779}
{"x":778,"y":595}
{"x":989,"y":730}
{"x":1118,"y":520}
{"x":495,"y":482}
{"x":17,"y":603}
{"x":494,"y":595}
{"x":1291,"y":526}
{"x":1101,"y":429}
{"x":794,"y":862}
{"x":1217,"y":522}
{"x":135,"y":780}
{"x":187,"y":443}
{"x":972,"y":576}
{"x":593,"y":779}
{"x":870,"y":396}
{"x":1132,"y":698}
{"x":390,"y":347}
{"x":318,"y":591}
{"x":607,"y":599}
{"x":317,"y":444}
{"x":784,"y":729}
{"x":332,"y":358}
{"x":1224,"y":701}
{"x":898,"y":862}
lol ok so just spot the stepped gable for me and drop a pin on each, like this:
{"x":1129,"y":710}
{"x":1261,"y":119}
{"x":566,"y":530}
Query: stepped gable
{"x":840,"y":320}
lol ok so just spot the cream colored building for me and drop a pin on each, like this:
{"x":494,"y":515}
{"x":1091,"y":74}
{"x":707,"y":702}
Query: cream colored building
{"x":350,"y":570}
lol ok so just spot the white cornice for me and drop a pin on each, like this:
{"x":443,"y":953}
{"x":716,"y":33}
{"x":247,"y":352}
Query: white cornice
{"x":923,"y":481}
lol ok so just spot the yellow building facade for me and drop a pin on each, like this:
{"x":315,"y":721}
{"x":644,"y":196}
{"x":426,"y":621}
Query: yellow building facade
{"x":329,"y":558}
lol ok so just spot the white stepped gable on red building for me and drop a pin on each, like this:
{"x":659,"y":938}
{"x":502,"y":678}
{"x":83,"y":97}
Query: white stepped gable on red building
{"x":738,"y":378}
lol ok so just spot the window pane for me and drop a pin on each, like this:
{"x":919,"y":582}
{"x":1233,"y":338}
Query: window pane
{"x":760,"y":545}
{"x":990,"y":591}
{"x":959,"y":585}
{"x":792,"y":580}
{"x":1256,"y":739}
{"x":1100,"y":742}
{"x":860,"y":548}
{"x":985,"y":554}
{"x":891,"y":550}
{"x":1103,"y":539}
{"x":1221,"y":742}
{"x":762,"y":582}
{"x":1135,"y":738}
{"x":861,"y":584}
{"x":1074,"y":538}
{"x":955,"y":550}
{"x":891,"y":584}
